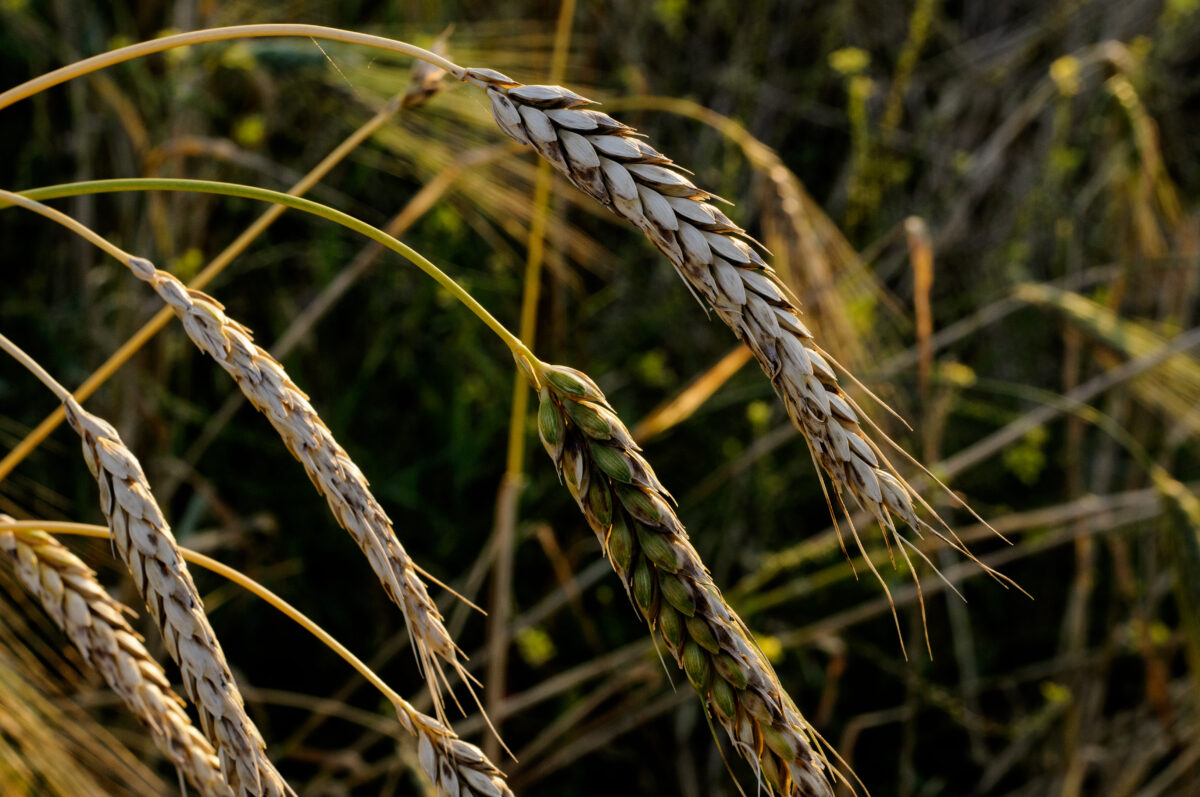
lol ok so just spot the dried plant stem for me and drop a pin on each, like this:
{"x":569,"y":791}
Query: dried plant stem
{"x":451,"y":764}
{"x":95,"y":623}
{"x":648,"y":547}
{"x":88,"y":65}
{"x":206,"y":275}
{"x":513,"y":481}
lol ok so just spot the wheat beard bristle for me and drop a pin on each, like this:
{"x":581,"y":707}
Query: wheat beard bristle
{"x":95,"y":623}
{"x":272,"y":392}
{"x":145,"y":542}
{"x":647,"y":545}
{"x":607,"y":160}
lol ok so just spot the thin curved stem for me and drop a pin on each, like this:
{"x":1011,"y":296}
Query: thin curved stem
{"x":513,"y":482}
{"x":218,"y":264}
{"x":519,"y":349}
{"x":88,"y":65}
{"x":43,"y":376}
{"x":237,"y":577}
{"x":57,"y":216}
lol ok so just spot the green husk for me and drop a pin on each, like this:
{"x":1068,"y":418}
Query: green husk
{"x":698,"y":666}
{"x":677,"y":594}
{"x":611,"y":462}
{"x":658,"y":549}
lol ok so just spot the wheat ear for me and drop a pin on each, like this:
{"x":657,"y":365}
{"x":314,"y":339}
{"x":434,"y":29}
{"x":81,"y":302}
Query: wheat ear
{"x":95,"y":623}
{"x":146,"y":544}
{"x":269,"y":388}
{"x":647,"y":545}
{"x":609,"y":161}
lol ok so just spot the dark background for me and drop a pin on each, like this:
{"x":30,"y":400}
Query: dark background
{"x":1039,"y":144}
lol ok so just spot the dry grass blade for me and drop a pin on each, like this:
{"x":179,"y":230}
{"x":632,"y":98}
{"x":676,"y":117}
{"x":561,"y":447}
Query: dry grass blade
{"x":95,"y":622}
{"x":145,"y":542}
{"x":273,"y":393}
{"x":719,"y":261}
{"x":630,"y":512}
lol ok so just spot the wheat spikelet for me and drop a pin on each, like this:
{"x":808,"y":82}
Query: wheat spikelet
{"x":144,"y":540}
{"x":610,"y":162}
{"x":95,"y":622}
{"x":648,"y":547}
{"x":269,"y":388}
{"x":455,"y":767}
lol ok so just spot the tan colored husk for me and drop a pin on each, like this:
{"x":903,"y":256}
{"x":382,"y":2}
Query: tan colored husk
{"x":95,"y":623}
{"x":147,"y":546}
{"x":455,"y":767}
{"x":719,"y":261}
{"x":648,"y":547}
{"x":268,"y":387}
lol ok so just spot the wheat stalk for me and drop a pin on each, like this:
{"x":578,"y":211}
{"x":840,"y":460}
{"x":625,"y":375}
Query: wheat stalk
{"x":648,"y":547}
{"x":268,"y":387}
{"x":95,"y":623}
{"x":610,"y":162}
{"x":146,"y":544}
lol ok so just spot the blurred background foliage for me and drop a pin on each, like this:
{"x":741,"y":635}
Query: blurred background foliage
{"x":988,"y":209}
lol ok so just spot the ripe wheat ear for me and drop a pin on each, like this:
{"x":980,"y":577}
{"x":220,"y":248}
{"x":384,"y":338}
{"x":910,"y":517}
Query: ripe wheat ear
{"x":719,"y":261}
{"x":272,"y":392}
{"x":95,"y":623}
{"x":147,"y":546}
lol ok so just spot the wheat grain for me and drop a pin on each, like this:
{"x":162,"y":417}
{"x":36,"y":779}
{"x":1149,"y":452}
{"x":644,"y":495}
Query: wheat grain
{"x":146,"y":544}
{"x":95,"y":623}
{"x":609,"y":161}
{"x":271,"y":391}
{"x":648,"y":547}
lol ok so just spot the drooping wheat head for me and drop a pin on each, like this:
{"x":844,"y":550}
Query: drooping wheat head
{"x":648,"y":547}
{"x":95,"y":623}
{"x":268,"y":387}
{"x":145,"y":543}
{"x":720,"y":262}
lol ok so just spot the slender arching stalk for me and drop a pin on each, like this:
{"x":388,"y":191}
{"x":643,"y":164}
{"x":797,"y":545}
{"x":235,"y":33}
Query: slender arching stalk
{"x":237,"y":577}
{"x":31,"y":200}
{"x":34,"y":367}
{"x":215,"y":266}
{"x":88,"y":65}
{"x":513,"y":481}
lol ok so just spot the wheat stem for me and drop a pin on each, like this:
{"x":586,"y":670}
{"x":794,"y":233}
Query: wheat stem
{"x":513,"y":481}
{"x":33,"y":367}
{"x":218,"y":264}
{"x":262,"y":194}
{"x":88,"y":65}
